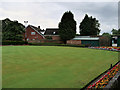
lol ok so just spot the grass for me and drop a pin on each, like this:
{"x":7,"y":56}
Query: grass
{"x":52,"y":66}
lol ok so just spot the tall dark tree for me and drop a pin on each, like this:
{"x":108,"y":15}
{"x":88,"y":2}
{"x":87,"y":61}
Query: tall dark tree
{"x":67,"y":26}
{"x":12,"y":30}
{"x":89,"y":26}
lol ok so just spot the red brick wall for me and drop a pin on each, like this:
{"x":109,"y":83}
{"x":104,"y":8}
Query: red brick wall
{"x":31,"y":37}
{"x":45,"y":41}
{"x":55,"y":37}
{"x":74,"y":42}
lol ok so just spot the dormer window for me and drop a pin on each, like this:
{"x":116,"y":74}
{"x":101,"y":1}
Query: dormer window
{"x":53,"y":32}
{"x":32,"y":33}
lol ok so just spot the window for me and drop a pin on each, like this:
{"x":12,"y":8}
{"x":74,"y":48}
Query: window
{"x":32,"y":33}
{"x":27,"y":39}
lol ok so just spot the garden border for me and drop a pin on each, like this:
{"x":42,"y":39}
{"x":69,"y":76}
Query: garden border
{"x":103,"y":49}
{"x":95,"y":79}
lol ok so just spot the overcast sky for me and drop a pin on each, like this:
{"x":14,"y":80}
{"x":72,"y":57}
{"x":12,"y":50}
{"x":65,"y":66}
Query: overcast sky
{"x":48,"y":14}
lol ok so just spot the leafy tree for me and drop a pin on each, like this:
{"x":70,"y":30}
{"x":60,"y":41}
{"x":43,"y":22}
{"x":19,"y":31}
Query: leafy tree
{"x":89,"y":26}
{"x":106,"y":34}
{"x":119,"y":31}
{"x":105,"y":39}
{"x":12,"y":30}
{"x":67,"y":26}
{"x":114,"y":32}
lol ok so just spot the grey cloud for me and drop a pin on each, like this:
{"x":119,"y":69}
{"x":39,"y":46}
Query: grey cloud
{"x":49,"y":14}
{"x":105,"y":12}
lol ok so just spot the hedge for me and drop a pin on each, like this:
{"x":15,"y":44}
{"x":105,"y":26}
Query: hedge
{"x":14,"y":42}
{"x":55,"y":44}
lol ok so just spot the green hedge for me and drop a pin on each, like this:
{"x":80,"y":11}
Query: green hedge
{"x":55,"y":44}
{"x":14,"y":42}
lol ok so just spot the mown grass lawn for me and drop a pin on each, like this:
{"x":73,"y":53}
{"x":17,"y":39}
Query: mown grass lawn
{"x":52,"y":66}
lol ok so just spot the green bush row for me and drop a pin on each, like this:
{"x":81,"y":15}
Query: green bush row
{"x":14,"y":42}
{"x":55,"y":44}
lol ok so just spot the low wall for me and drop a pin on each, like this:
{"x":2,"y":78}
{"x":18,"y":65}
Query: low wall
{"x":55,"y":37}
{"x":74,"y":42}
{"x":114,"y":83}
{"x":45,"y":41}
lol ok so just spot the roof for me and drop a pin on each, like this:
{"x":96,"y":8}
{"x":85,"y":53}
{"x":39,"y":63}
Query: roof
{"x":82,"y":36}
{"x":36,"y":29}
{"x":51,"y":31}
{"x":88,"y":38}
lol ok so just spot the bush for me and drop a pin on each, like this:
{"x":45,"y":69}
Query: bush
{"x":55,"y":44}
{"x":14,"y":42}
{"x":105,"y":41}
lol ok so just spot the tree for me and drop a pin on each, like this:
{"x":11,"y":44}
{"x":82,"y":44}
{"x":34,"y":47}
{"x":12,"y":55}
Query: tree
{"x":107,"y":35}
{"x":89,"y":26}
{"x":12,"y":30}
{"x":114,"y":32}
{"x":67,"y":26}
{"x":119,"y":31}
{"x":105,"y":39}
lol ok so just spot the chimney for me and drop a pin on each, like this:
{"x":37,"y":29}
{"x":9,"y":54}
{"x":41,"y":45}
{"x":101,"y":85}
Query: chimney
{"x":39,"y":27}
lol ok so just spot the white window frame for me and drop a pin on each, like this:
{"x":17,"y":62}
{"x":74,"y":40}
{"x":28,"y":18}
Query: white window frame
{"x":32,"y":33}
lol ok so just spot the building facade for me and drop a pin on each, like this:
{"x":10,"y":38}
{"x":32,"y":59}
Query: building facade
{"x":33,"y":33}
{"x":52,"y":33}
{"x":85,"y":40}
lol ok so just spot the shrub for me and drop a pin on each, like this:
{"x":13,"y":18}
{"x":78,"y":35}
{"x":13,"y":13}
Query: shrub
{"x":55,"y":44}
{"x":14,"y":42}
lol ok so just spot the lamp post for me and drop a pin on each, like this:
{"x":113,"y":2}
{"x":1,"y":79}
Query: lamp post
{"x":25,"y":29}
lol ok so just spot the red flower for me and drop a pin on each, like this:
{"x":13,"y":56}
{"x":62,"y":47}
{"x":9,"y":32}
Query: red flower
{"x":101,"y":79}
{"x":105,"y":75}
{"x":98,"y":81}
{"x":93,"y":85}
{"x":90,"y":86}
{"x":108,"y":72}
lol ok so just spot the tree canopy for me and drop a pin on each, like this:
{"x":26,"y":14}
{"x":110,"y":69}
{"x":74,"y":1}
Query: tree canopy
{"x":12,"y":30}
{"x":115,"y":32}
{"x":89,"y":26}
{"x":67,"y":26}
{"x":106,"y":34}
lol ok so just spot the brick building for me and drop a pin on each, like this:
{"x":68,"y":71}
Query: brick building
{"x":33,"y":33}
{"x":85,"y":40}
{"x":52,"y":33}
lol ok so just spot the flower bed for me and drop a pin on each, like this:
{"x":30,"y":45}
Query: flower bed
{"x":107,"y":48}
{"x":104,"y":80}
